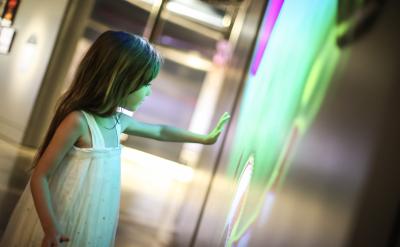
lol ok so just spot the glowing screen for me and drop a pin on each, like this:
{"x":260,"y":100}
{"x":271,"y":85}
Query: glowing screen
{"x":292,"y":64}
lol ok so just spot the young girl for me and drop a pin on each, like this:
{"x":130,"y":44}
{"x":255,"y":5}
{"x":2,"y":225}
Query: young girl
{"x":72,"y":198}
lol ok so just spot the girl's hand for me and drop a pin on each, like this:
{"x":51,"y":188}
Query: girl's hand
{"x":54,"y":240}
{"x":212,"y":137}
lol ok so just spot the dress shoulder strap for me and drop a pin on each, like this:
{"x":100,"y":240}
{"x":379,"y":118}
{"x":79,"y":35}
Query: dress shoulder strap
{"x":119,"y":128}
{"x":97,"y":137}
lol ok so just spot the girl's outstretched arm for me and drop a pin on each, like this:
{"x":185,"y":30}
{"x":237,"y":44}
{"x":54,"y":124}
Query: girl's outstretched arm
{"x":171,"y":134}
{"x":66,"y":135}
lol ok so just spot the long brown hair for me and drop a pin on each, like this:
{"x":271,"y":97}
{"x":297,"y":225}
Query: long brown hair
{"x":116,"y":64}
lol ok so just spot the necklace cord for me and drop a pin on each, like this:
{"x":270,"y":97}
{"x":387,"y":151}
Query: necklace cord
{"x":116,"y":118}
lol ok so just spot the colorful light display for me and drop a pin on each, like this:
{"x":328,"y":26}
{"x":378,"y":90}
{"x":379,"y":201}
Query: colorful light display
{"x":291,"y":68}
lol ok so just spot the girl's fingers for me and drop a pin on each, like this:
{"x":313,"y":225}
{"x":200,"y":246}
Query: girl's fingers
{"x":221,"y":123}
{"x":225,"y":116}
{"x":223,"y":120}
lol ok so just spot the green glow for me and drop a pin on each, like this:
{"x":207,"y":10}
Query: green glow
{"x":318,"y":81}
{"x":343,"y":28}
{"x":286,"y":93}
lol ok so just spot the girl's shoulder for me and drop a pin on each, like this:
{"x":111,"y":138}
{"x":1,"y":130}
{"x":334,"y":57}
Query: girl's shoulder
{"x":77,"y":123}
{"x":75,"y":120}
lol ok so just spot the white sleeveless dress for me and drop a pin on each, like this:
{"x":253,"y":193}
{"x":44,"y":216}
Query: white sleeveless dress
{"x":85,"y":191}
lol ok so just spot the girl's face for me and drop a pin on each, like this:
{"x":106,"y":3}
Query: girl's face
{"x":134,"y":99}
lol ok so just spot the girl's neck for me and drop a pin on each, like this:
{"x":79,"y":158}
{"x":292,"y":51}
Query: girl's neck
{"x":107,"y":122}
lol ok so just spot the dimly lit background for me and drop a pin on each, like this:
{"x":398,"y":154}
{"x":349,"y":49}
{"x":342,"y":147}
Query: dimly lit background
{"x":309,"y":155}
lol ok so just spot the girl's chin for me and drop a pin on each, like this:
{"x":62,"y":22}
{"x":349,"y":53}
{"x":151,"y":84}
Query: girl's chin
{"x":133,"y":108}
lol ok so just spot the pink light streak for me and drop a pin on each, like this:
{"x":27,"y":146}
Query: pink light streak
{"x":273,"y":10}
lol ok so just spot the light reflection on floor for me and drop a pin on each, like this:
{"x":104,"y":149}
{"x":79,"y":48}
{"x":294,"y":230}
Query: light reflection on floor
{"x":152,"y":190}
